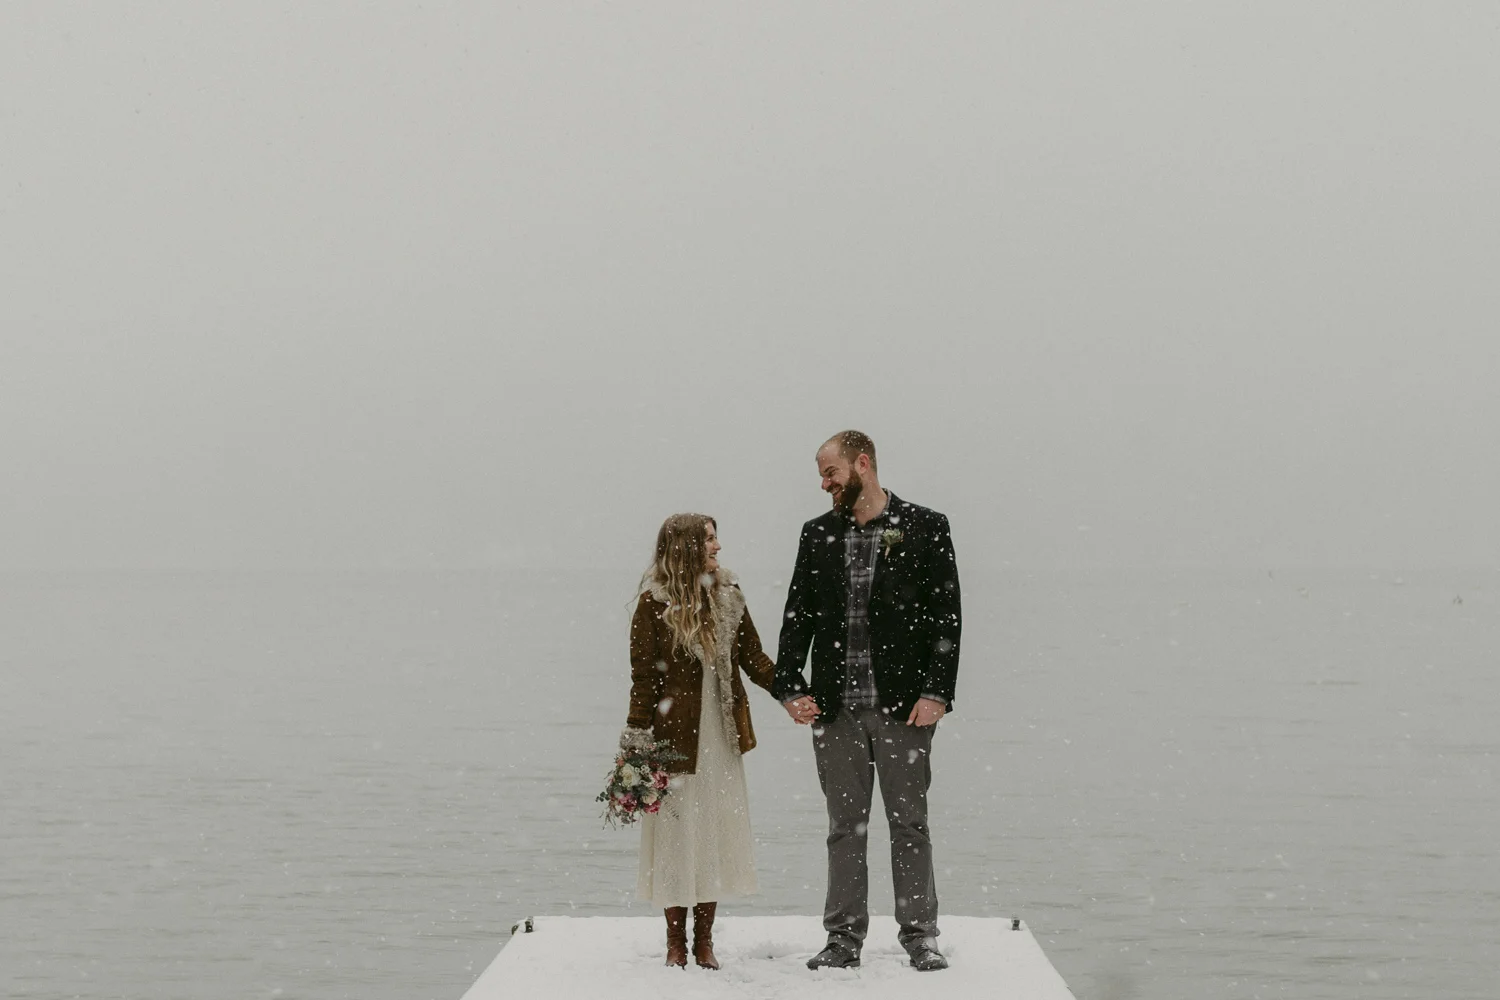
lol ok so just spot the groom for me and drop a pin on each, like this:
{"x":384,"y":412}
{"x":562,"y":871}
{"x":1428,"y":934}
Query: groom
{"x":875,"y":594}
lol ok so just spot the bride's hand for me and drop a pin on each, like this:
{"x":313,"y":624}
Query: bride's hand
{"x":632,"y":738}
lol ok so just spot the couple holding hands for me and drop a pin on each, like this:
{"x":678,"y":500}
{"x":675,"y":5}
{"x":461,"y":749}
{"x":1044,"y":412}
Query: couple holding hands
{"x":875,"y":596}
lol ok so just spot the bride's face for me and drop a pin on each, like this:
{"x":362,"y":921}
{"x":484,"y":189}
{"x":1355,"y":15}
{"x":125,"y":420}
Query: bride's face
{"x":711,"y":547}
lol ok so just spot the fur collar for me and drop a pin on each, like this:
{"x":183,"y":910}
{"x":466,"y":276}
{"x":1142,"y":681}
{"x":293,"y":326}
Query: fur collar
{"x":724,"y":581}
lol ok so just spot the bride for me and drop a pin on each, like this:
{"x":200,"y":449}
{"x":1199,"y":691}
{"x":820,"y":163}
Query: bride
{"x":690,"y":638}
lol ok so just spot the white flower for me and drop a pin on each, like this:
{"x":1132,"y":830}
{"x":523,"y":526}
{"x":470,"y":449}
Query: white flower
{"x":649,"y":796}
{"x":629,"y":776}
{"x":891,"y":537}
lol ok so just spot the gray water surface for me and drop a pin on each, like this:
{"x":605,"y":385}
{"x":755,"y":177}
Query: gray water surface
{"x":1191,"y":785}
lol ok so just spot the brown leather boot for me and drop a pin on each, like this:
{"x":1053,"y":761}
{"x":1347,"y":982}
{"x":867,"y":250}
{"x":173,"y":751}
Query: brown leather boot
{"x":677,"y":936}
{"x":703,"y":935}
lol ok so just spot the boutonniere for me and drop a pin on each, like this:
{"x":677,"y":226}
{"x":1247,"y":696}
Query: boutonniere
{"x":891,"y":537}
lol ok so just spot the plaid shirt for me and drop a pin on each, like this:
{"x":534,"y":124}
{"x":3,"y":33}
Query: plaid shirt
{"x":861,"y":549}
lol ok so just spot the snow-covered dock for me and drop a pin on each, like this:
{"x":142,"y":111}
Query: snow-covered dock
{"x":558,"y":958}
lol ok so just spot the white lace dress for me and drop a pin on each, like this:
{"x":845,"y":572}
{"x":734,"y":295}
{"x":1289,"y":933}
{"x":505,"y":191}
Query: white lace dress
{"x":697,"y":849}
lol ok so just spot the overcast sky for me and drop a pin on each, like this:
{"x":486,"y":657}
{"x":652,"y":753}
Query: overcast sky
{"x":325,"y":285}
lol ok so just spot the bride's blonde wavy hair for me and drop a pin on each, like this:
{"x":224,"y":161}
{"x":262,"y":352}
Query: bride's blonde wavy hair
{"x":681,"y":569}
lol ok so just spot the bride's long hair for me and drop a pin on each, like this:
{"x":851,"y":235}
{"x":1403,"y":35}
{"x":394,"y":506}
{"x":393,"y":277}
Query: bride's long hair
{"x":681,"y":569}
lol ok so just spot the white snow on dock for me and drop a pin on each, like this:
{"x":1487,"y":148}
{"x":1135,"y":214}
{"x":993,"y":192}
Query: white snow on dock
{"x":620,"y":958}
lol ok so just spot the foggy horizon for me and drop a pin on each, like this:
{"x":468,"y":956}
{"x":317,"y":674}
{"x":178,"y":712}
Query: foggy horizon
{"x":464,"y":288}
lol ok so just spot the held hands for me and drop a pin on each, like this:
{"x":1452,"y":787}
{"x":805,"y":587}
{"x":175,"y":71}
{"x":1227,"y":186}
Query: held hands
{"x":803,"y":710}
{"x":926,"y":712}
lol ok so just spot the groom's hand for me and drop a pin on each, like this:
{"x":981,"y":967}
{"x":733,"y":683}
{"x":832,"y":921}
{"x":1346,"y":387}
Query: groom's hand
{"x":926,"y":712}
{"x":803,"y":710}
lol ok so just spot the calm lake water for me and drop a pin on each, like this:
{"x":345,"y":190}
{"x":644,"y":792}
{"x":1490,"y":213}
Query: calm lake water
{"x":1191,"y":785}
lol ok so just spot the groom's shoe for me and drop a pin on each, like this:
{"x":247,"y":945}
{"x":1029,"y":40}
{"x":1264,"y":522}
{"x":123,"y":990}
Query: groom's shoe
{"x":835,"y":956}
{"x":925,"y":958}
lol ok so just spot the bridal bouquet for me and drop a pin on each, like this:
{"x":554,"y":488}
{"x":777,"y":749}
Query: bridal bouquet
{"x":639,"y":782}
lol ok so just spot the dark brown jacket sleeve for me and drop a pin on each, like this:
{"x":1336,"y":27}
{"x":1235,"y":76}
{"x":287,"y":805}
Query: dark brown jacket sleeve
{"x":753,"y":659}
{"x":648,"y":675}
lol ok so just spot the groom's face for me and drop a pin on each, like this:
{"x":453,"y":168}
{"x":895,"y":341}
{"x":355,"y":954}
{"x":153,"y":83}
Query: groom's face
{"x":841,"y":479}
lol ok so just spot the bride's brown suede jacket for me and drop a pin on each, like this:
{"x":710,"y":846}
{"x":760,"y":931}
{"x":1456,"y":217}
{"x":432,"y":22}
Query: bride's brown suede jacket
{"x":666,"y":690}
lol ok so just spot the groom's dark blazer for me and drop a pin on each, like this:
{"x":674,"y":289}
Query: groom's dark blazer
{"x":915,"y":617}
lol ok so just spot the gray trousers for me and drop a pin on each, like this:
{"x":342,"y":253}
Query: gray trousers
{"x":853,"y":751}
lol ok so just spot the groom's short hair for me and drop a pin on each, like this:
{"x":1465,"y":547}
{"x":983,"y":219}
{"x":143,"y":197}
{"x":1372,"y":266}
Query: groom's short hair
{"x":852,"y":444}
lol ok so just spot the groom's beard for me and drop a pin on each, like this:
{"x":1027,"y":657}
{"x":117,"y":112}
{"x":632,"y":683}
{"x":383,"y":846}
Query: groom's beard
{"x":845,"y":497}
